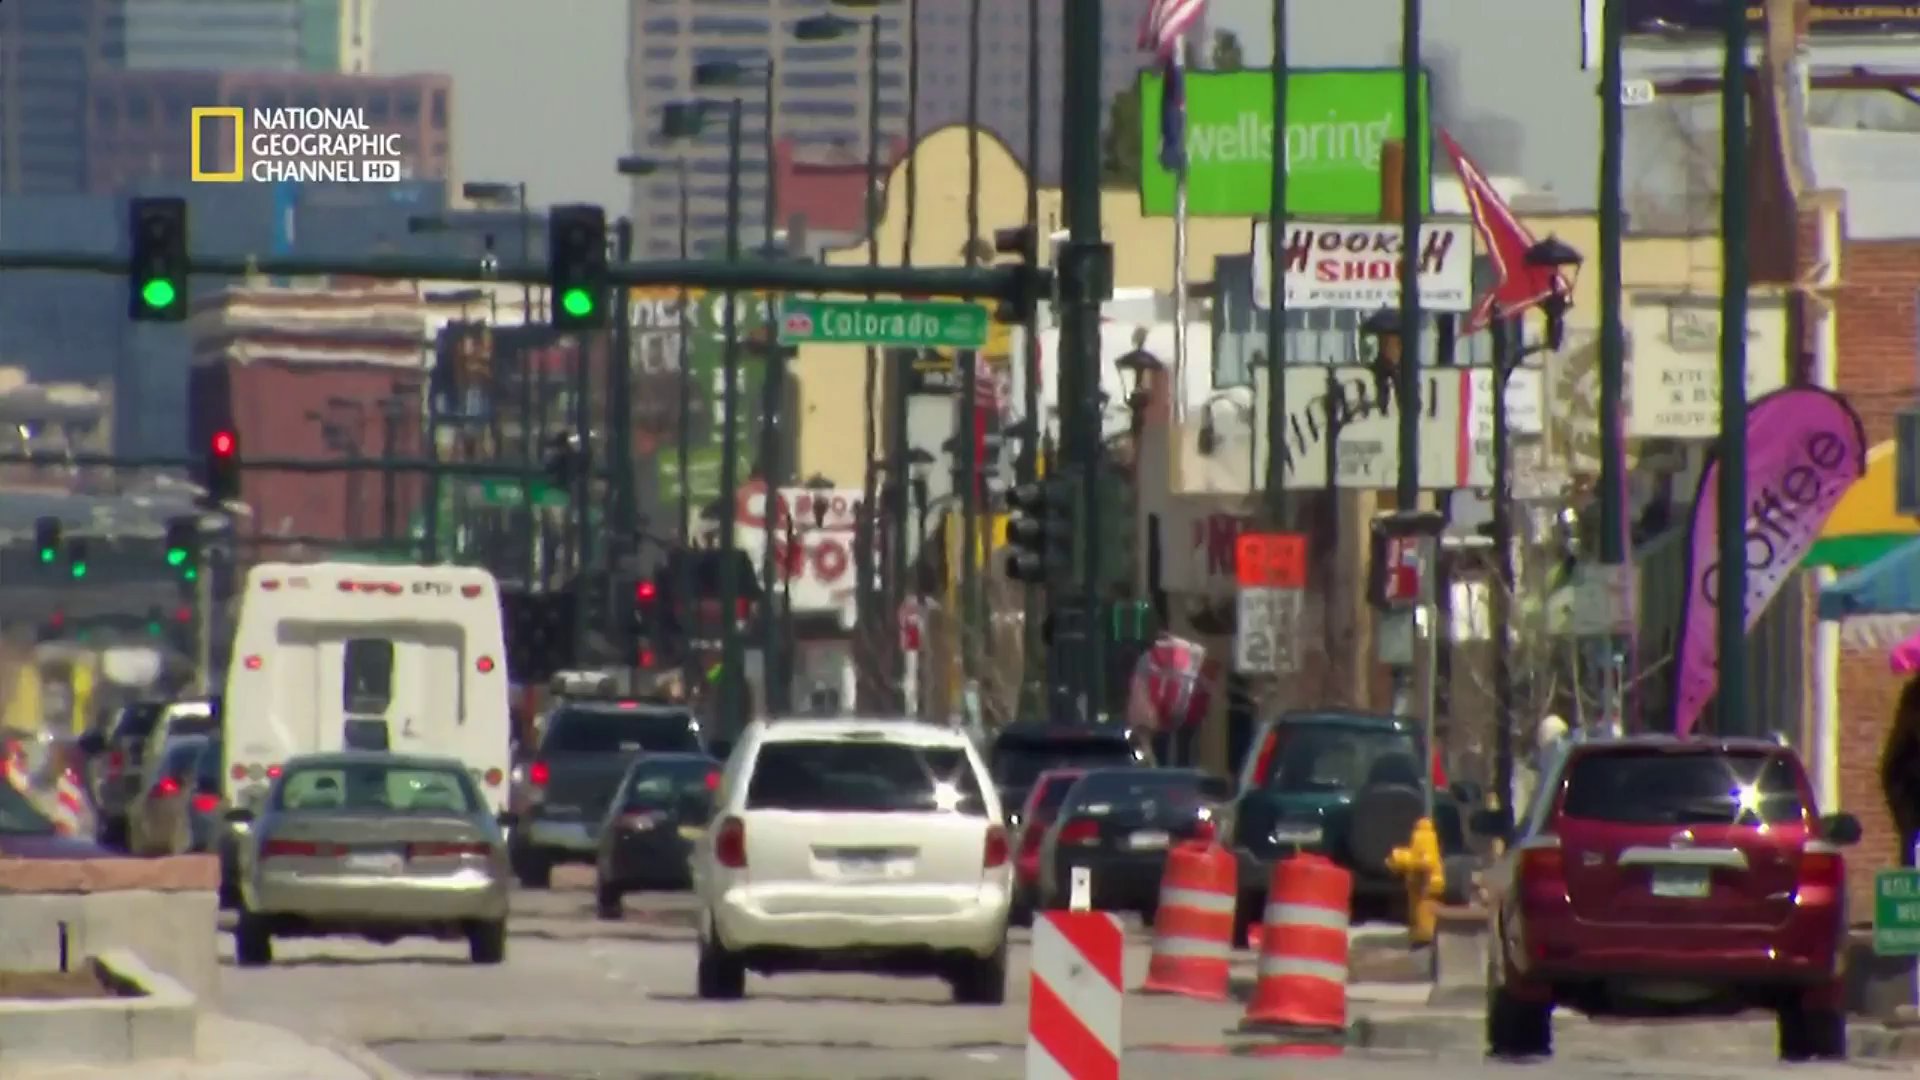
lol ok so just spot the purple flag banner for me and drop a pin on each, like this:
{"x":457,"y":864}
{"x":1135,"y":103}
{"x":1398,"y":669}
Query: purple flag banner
{"x":1805,"y":447}
{"x":1678,"y":17}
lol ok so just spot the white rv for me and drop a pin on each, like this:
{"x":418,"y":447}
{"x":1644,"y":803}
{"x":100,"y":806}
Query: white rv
{"x":340,"y":656}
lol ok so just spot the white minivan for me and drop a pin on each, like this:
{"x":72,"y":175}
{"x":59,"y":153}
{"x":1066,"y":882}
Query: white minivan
{"x":337,"y":656}
{"x":855,"y":845}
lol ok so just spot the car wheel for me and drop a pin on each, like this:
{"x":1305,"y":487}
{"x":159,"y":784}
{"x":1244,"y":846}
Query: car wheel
{"x":721,"y":976}
{"x":981,"y":980}
{"x":1812,"y":1034}
{"x":606,"y":900}
{"x":535,"y":871}
{"x":487,"y":942}
{"x":1517,"y":1028}
{"x":252,"y":941}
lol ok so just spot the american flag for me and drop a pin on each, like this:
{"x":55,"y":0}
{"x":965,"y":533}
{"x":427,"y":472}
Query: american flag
{"x":1165,"y":22}
{"x":1519,"y":285}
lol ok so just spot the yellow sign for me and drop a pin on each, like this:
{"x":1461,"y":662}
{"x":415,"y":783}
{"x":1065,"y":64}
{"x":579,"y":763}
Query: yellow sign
{"x":999,"y":345}
{"x":297,"y":145}
{"x":198,"y":118}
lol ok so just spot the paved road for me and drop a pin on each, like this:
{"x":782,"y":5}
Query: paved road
{"x":580,"y":998}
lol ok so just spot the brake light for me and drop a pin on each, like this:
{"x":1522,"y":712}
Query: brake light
{"x":300,"y":849}
{"x":205,"y":803}
{"x":252,"y":663}
{"x":730,"y":844}
{"x":713,"y":781}
{"x":273,"y":772}
{"x":484,"y":665}
{"x":167,"y":788}
{"x":1541,"y":861}
{"x":997,"y":851}
{"x":1205,"y":831}
{"x":1081,"y":832}
{"x":538,"y":774}
{"x":470,"y":591}
{"x":1823,"y":876}
{"x":238,"y":772}
{"x":116,"y":762}
{"x":448,"y":851}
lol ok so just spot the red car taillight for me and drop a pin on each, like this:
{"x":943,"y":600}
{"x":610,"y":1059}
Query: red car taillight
{"x":1080,"y":833}
{"x":730,"y":844}
{"x":205,"y":804}
{"x":997,"y":847}
{"x":167,"y":788}
{"x":538,"y":774}
{"x":282,"y":849}
{"x":1823,"y":876}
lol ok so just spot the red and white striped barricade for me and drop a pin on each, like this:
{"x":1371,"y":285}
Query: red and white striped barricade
{"x":68,"y":808}
{"x":1077,"y":986}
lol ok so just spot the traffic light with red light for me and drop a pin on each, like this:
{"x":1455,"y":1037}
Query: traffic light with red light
{"x":221,"y":468}
{"x":157,"y":268}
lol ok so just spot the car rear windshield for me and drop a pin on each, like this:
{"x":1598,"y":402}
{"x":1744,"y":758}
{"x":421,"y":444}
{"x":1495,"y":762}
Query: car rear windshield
{"x":394,"y":789}
{"x":658,"y":784}
{"x":1656,"y":787}
{"x":1309,"y":757}
{"x":596,"y":731}
{"x":1019,"y":760}
{"x":1139,"y":787}
{"x":206,"y":768}
{"x":863,"y":777}
{"x":136,"y":721}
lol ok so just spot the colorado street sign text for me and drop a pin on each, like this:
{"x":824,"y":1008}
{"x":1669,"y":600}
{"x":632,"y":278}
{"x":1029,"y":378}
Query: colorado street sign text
{"x":926,"y":324}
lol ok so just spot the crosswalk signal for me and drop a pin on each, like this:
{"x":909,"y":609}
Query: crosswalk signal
{"x":577,"y":266}
{"x":157,"y":241}
{"x":46,"y":539}
{"x":222,"y":467}
{"x":183,"y":547}
{"x":77,"y":559}
{"x":1040,"y":531}
{"x":1023,"y":243}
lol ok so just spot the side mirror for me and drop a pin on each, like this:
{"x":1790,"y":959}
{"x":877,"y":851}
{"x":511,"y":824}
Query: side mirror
{"x":92,"y":743}
{"x":1497,"y":824}
{"x":1466,"y":792}
{"x":1842,"y":829}
{"x":239,"y":815}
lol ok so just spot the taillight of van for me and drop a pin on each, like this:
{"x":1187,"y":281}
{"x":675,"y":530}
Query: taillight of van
{"x":730,"y":844}
{"x":997,"y":849}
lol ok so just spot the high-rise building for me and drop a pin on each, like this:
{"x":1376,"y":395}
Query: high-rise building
{"x":822,"y":97}
{"x":48,"y":49}
{"x":248,"y":35}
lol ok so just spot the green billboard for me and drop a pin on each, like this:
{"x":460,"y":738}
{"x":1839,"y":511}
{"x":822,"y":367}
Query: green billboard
{"x":706,"y":352}
{"x":1337,"y":120}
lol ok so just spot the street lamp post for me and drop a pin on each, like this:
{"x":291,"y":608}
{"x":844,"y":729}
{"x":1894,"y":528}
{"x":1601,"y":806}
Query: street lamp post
{"x":731,"y":659}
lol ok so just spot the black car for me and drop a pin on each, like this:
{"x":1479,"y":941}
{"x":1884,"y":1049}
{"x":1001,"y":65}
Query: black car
{"x":1118,"y":824}
{"x":115,"y":760}
{"x":663,"y":805}
{"x":584,"y":751}
{"x":1347,"y":785}
{"x":1021,"y":752}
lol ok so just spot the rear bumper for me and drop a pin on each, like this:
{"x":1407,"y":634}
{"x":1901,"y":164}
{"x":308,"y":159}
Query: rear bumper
{"x":466,"y":894}
{"x":1563,"y":949}
{"x":646,"y":859}
{"x":939,"y":918}
{"x":575,"y":838}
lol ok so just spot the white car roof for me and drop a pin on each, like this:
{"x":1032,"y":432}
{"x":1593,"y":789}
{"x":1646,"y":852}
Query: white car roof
{"x":894,"y":729}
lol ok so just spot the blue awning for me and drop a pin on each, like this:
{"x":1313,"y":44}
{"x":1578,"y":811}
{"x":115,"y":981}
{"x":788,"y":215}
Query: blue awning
{"x":1889,"y":585}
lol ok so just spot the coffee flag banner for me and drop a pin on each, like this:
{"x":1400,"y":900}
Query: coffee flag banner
{"x":1805,"y":447}
{"x":1172,"y":685}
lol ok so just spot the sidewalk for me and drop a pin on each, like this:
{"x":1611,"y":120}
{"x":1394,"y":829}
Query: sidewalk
{"x":232,"y":1049}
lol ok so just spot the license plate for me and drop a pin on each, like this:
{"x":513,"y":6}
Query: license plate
{"x":374,"y":862}
{"x":866,"y":868}
{"x":692,"y":832}
{"x":1151,"y":840}
{"x":1683,"y":882}
{"x":1297,"y":834}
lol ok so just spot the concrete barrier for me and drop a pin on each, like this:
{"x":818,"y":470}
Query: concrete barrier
{"x":158,"y":1018}
{"x":56,"y":912}
{"x":1462,"y":953}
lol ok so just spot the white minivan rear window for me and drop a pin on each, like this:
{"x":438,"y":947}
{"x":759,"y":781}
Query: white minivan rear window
{"x":846,"y":776}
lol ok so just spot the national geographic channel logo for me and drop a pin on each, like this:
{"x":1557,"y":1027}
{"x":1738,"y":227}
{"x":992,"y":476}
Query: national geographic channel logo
{"x":312,"y":146}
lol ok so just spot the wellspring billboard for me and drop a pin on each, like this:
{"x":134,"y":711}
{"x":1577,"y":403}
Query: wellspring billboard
{"x":1337,"y":120}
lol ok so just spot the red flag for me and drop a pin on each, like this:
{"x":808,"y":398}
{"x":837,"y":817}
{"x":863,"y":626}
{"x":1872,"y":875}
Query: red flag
{"x":1520,"y":285}
{"x":1164,"y":21}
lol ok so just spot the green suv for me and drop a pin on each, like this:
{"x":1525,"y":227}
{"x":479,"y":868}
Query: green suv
{"x":1346,"y":785}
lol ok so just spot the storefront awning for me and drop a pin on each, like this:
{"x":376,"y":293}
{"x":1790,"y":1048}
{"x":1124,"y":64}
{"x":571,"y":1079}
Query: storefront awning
{"x":1864,"y":528}
{"x":1889,"y":586}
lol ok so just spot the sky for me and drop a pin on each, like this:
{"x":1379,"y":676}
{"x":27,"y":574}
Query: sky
{"x":539,"y":87}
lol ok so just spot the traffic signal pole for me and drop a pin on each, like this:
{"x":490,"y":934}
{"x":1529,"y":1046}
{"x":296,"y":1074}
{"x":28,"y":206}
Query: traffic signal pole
{"x":1086,"y":281}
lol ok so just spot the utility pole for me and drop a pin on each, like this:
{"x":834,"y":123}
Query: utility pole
{"x":1505,"y":356}
{"x":1613,"y":334}
{"x":732,"y":717}
{"x":1033,"y":691}
{"x":1734,"y":718}
{"x":1277,"y":287}
{"x":620,"y":410}
{"x":1085,"y":282}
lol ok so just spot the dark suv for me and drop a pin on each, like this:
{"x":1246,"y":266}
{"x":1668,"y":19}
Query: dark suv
{"x":1347,"y":785}
{"x":1655,"y":875}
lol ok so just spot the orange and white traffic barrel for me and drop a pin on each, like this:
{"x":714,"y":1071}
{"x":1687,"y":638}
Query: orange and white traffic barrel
{"x":1302,"y":982}
{"x":1193,"y":927}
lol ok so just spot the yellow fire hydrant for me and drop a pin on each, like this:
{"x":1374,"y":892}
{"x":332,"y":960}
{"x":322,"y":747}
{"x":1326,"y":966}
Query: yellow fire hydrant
{"x":1419,"y":862}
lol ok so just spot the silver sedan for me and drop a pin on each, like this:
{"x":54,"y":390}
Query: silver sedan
{"x":375,"y":845}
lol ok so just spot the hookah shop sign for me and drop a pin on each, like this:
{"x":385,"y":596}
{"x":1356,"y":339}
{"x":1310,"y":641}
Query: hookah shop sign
{"x":1356,"y":267}
{"x":810,"y":534}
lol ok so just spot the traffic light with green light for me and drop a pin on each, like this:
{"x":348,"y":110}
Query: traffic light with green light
{"x":157,"y":241}
{"x":77,"y":559}
{"x":46,"y":539}
{"x":577,"y":266}
{"x":183,"y":547}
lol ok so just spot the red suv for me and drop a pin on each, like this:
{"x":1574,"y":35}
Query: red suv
{"x":1658,"y":876}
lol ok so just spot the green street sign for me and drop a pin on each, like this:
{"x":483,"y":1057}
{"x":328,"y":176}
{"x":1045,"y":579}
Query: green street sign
{"x":913,"y":324}
{"x":508,"y":493}
{"x":1337,"y":119}
{"x":1896,"y":913}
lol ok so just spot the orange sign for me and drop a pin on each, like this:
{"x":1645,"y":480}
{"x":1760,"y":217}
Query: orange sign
{"x":1271,"y":560}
